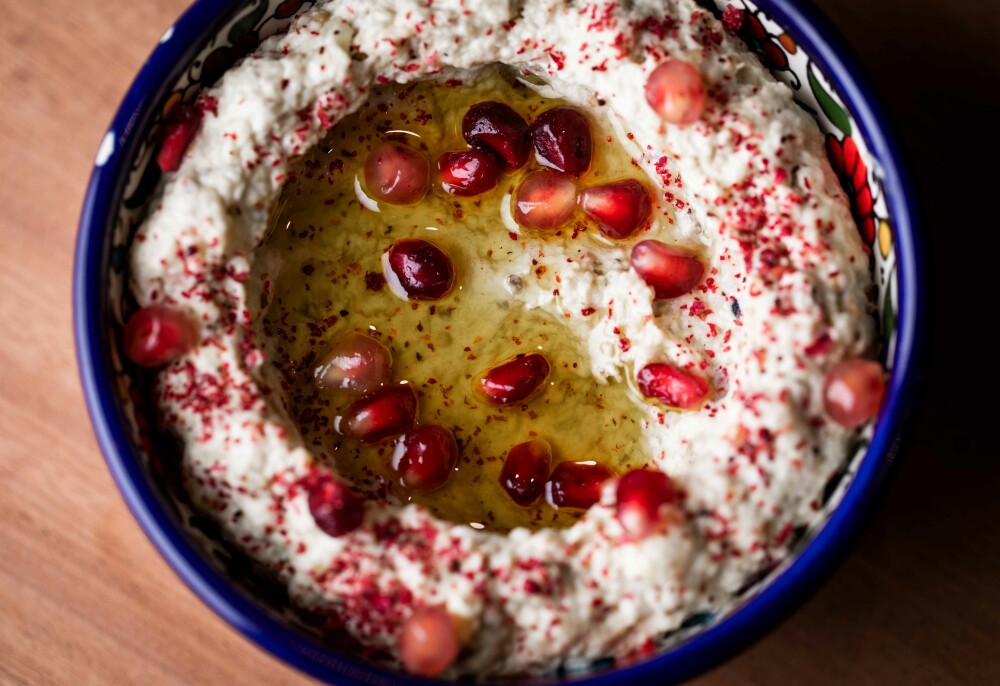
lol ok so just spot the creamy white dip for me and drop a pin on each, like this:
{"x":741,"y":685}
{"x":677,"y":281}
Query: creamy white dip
{"x":785,"y":297}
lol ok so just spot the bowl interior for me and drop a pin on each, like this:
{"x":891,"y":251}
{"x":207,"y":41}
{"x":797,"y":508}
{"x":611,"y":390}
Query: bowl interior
{"x":191,"y":56}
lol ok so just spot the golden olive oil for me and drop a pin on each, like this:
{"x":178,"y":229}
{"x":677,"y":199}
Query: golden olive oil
{"x":322,"y":265}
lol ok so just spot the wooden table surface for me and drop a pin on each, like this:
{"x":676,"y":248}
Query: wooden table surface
{"x":84,"y":597}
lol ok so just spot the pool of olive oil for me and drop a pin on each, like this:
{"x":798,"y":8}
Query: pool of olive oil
{"x":321,"y":262}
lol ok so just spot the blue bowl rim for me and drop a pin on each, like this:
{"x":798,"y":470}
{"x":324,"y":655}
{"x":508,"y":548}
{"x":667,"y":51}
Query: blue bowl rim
{"x":690,"y":657}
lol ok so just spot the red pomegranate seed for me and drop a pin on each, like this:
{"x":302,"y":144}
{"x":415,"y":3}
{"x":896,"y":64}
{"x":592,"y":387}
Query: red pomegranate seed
{"x":156,"y":335}
{"x":386,"y":412}
{"x":672,"y":386}
{"x":644,"y":499}
{"x":396,"y":174}
{"x":669,"y":271}
{"x":418,"y":270}
{"x":425,"y":457}
{"x":495,"y":127}
{"x":428,"y":641}
{"x":620,"y":209}
{"x":179,"y":130}
{"x":544,"y":201}
{"x":336,"y":509}
{"x":515,"y":381}
{"x":576,"y":484}
{"x":525,"y":470}
{"x":469,"y":172}
{"x":676,"y":92}
{"x":853,"y":391}
{"x":562,"y":140}
{"x":355,"y":364}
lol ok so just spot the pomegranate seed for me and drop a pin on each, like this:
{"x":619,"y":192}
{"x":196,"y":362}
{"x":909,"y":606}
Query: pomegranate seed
{"x":676,"y":92}
{"x":418,"y":270}
{"x":562,"y":140}
{"x":671,"y":386}
{"x":156,"y":335}
{"x":336,"y":509}
{"x":495,"y":127}
{"x":178,"y":131}
{"x":396,"y":174}
{"x":620,"y":209}
{"x":644,"y":500}
{"x":576,"y":484}
{"x":389,"y":411}
{"x":669,"y":271}
{"x":525,"y":470}
{"x":425,"y":457}
{"x":355,"y":364}
{"x":515,"y":381}
{"x":853,"y":391}
{"x":469,"y":172}
{"x":428,"y":641}
{"x":544,"y":200}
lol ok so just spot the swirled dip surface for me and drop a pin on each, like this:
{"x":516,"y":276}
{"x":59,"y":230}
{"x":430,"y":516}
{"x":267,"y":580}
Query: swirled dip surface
{"x":748,"y":186}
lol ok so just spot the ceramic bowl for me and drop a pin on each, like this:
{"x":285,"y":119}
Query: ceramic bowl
{"x":791,"y":40}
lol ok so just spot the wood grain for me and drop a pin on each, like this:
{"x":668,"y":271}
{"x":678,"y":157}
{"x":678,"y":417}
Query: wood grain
{"x":84,"y":598}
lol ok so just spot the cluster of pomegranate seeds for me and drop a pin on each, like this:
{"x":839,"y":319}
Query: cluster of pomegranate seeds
{"x":156,"y":335}
{"x":853,"y":391}
{"x":428,"y":641}
{"x":498,"y":137}
{"x":178,"y":131}
{"x":669,"y":271}
{"x":336,"y":509}
{"x":389,"y":411}
{"x":619,"y":209}
{"x":396,"y":174}
{"x":514,"y":381}
{"x":525,"y":470}
{"x":501,"y":141}
{"x":416,"y":269}
{"x":355,"y":364}
{"x":675,"y":91}
{"x":466,"y":173}
{"x":644,"y":501}
{"x":576,"y":484}
{"x":672,"y":386}
{"x":525,"y":476}
{"x":544,"y":201}
{"x":496,"y":128}
{"x":425,"y":457}
{"x":562,"y":140}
